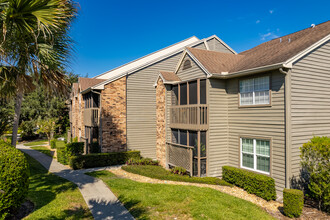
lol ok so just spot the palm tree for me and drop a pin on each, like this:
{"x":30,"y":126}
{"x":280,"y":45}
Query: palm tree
{"x":34,"y":47}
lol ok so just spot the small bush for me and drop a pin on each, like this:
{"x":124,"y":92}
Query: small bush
{"x":62,"y":156}
{"x":293,"y":202}
{"x":74,"y":149}
{"x":179,"y":170}
{"x":74,"y":139}
{"x":158,"y":172}
{"x":95,"y":148}
{"x":315,"y":157}
{"x":142,"y":161}
{"x":14,"y":178}
{"x":53,"y":144}
{"x":102,"y":159}
{"x":258,"y":184}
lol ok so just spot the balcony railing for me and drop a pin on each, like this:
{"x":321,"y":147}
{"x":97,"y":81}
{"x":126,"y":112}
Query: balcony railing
{"x":91,"y":117}
{"x":189,"y":116}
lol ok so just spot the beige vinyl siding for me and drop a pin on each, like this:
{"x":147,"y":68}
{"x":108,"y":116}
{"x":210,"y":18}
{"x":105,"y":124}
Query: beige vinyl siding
{"x":200,"y":46}
{"x":310,"y":101}
{"x":263,"y":122}
{"x":193,"y":72}
{"x":141,"y":106}
{"x":218,"y":127}
{"x":216,"y":45}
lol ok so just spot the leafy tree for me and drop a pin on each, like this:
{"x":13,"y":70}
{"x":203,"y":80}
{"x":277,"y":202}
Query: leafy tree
{"x":6,"y":116}
{"x":47,"y":126}
{"x":34,"y":47}
{"x":315,"y":159}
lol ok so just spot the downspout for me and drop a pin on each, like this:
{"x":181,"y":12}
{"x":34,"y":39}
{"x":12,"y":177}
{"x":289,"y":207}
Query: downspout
{"x":287,"y":97}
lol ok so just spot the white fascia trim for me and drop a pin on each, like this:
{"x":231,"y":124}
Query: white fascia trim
{"x":225,"y":75}
{"x":150,"y":54}
{"x":101,"y":85}
{"x":306,"y":51}
{"x":198,"y":63}
{"x":221,"y":41}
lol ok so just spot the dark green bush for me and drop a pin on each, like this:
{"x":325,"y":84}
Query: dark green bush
{"x":315,"y":157}
{"x":293,"y":202}
{"x":179,"y":170}
{"x":142,"y":161}
{"x":102,"y":159}
{"x":74,"y":149}
{"x":14,"y":178}
{"x":258,"y":184}
{"x":158,"y":172}
{"x":52,"y":143}
{"x":95,"y":148}
{"x":62,"y":156}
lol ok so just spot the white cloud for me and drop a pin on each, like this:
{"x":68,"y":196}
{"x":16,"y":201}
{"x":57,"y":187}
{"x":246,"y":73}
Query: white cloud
{"x":268,"y":36}
{"x":271,"y":11}
{"x":258,"y":21}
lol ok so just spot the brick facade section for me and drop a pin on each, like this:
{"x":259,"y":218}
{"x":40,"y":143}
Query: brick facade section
{"x":160,"y":123}
{"x":113,"y":116}
{"x":77,"y":116}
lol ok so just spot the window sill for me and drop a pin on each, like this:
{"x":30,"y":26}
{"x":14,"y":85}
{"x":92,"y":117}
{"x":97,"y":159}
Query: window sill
{"x":256,"y":171}
{"x":255,"y":106}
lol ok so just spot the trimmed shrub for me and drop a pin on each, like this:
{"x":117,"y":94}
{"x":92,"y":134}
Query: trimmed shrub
{"x":74,"y":149}
{"x":53,"y":144}
{"x":315,"y":157}
{"x":142,"y":161}
{"x":62,"y":156}
{"x":179,"y":170}
{"x":102,"y":159}
{"x":14,"y":178}
{"x":293,"y":202}
{"x":258,"y":184}
{"x":158,"y":172}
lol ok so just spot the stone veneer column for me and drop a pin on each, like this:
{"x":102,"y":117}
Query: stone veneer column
{"x":113,"y":116}
{"x":160,"y":123}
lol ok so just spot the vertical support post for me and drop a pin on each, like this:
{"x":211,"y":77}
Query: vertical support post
{"x":199,"y":152}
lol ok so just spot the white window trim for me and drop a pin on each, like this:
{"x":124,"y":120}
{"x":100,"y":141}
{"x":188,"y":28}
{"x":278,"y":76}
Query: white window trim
{"x":253,"y":94}
{"x":254,"y":156}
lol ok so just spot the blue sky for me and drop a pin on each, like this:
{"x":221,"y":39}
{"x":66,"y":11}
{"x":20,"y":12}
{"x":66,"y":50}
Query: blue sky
{"x":109,"y":33}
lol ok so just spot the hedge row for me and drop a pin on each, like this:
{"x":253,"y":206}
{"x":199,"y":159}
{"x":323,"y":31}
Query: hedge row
{"x":102,"y":159}
{"x":14,"y":178}
{"x":69,"y":150}
{"x":258,"y":184}
{"x":293,"y":202}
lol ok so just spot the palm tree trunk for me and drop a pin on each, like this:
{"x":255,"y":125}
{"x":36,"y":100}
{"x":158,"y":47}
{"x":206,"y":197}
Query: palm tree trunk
{"x":18,"y":105}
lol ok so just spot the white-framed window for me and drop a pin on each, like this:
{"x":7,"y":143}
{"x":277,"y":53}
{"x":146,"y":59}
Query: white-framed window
{"x":255,"y":155}
{"x":254,"y":91}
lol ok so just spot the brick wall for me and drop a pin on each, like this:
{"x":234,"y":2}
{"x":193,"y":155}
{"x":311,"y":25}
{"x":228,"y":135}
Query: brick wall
{"x":113,"y":116}
{"x":160,"y":123}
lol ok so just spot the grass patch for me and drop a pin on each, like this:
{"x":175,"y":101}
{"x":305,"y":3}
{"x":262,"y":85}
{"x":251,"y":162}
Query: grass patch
{"x":53,"y":196}
{"x":43,"y":150}
{"x":37,"y":143}
{"x":160,"y":201}
{"x":60,"y":144}
{"x":158,"y":172}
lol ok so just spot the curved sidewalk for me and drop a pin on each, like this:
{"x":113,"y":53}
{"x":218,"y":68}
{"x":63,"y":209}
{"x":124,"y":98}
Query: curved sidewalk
{"x":99,"y":198}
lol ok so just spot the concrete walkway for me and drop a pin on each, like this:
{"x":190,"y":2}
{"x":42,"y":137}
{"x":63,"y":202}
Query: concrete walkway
{"x":99,"y":198}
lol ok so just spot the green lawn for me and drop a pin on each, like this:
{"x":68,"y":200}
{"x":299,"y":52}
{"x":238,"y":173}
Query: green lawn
{"x":44,"y":150}
{"x":54,"y":197}
{"x":158,"y":172}
{"x":37,"y":143}
{"x":60,"y":143}
{"x":160,"y":201}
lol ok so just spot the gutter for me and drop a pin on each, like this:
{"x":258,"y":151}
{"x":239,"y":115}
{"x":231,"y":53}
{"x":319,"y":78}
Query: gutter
{"x":226,"y":75}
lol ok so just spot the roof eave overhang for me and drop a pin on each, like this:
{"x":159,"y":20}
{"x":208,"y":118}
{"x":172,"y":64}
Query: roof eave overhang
{"x":225,"y":75}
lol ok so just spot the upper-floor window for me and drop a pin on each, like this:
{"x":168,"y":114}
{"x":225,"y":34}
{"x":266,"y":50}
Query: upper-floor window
{"x":254,"y":91}
{"x":189,"y":93}
{"x":186,"y":64}
{"x":92,"y":100}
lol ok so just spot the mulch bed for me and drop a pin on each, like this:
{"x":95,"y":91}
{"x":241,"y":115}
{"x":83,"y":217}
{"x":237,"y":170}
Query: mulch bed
{"x":26,"y":208}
